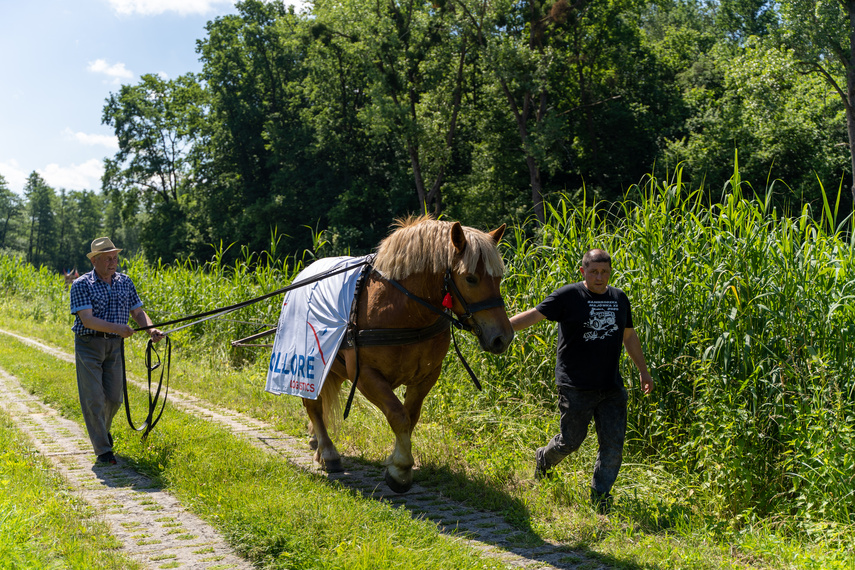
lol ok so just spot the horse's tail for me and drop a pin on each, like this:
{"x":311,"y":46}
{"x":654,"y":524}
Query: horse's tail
{"x":331,"y":401}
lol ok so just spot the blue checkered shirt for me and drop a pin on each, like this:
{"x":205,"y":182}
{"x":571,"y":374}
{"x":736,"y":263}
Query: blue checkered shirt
{"x":113,"y":302}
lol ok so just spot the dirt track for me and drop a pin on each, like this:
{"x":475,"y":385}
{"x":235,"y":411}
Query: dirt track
{"x":156,"y":530}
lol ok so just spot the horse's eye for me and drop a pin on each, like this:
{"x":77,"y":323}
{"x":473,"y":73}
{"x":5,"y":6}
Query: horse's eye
{"x":471,"y":280}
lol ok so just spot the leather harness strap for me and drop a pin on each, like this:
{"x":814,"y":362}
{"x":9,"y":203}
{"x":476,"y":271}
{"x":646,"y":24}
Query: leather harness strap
{"x":396,"y":337}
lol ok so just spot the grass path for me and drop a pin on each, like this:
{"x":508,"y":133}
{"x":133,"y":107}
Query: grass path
{"x":161,"y":518}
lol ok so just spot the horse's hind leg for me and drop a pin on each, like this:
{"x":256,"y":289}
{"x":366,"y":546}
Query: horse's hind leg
{"x":313,"y":439}
{"x":325,"y":452}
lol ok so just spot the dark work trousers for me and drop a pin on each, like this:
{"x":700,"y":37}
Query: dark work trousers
{"x":99,"y":384}
{"x":577,"y":407}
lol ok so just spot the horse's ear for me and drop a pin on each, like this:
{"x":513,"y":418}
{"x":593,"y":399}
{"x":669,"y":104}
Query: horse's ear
{"x":458,"y":238}
{"x":498,"y":233}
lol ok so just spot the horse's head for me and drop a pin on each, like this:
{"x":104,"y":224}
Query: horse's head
{"x":473,"y":283}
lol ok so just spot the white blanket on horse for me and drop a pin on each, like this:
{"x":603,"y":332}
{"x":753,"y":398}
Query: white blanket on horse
{"x":311,"y":327}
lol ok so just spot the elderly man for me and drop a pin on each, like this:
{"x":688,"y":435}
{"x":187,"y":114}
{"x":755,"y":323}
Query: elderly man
{"x":101,"y":301}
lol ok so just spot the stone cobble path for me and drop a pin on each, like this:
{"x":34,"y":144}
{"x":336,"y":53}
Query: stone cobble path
{"x":487,"y":533}
{"x":152,"y":526}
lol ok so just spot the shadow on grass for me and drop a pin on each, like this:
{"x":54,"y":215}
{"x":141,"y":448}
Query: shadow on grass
{"x":491,"y":520}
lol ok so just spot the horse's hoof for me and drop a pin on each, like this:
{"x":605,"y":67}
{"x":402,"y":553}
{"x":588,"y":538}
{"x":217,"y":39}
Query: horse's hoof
{"x":332,"y":466}
{"x":313,"y":442}
{"x":396,"y":486}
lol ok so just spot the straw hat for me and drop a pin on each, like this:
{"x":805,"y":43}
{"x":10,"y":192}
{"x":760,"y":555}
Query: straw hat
{"x":101,"y":245}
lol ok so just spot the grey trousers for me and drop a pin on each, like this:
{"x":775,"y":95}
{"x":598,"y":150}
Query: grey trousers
{"x":99,"y":385}
{"x":577,"y":407}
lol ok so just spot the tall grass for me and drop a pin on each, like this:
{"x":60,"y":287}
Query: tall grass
{"x":747,"y":318}
{"x":748,"y":322}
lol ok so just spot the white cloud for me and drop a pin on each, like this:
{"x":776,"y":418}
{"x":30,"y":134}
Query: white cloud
{"x":108,"y":141}
{"x":86,"y":176}
{"x":154,"y":7}
{"x":117,"y":71}
{"x":15,"y":177}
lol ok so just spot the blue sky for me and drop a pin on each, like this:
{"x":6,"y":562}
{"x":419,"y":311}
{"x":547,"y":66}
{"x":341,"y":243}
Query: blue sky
{"x":60,"y":60}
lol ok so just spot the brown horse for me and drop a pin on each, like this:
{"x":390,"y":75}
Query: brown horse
{"x":418,"y":255}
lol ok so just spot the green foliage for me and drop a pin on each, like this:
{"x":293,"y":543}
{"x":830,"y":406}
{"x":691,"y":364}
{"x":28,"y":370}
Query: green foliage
{"x":10,"y":212}
{"x":349,"y":115}
{"x":784,"y":124}
{"x":158,"y":124}
{"x":746,"y":319}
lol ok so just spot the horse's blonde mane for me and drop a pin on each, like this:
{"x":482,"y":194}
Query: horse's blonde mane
{"x":421,"y":243}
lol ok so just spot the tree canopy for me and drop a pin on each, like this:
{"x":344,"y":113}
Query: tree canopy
{"x":337,"y":120}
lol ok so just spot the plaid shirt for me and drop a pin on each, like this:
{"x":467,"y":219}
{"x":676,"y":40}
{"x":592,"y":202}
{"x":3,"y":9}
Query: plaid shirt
{"x":113,"y":303}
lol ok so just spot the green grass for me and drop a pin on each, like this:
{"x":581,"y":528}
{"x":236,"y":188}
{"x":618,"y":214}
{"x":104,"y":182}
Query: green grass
{"x":41,"y":524}
{"x":272,"y":512}
{"x":742,"y":457}
{"x":655,"y":524}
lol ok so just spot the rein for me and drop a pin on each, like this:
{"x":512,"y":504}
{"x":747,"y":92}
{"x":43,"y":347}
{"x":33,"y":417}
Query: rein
{"x":150,"y":420}
{"x":223,"y":310}
{"x":372,"y":337}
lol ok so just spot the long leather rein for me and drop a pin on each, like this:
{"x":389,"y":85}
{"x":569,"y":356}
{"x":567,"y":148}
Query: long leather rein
{"x":354,"y":336}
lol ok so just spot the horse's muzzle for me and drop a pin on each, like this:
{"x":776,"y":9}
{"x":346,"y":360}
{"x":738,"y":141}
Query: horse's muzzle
{"x":495,"y":339}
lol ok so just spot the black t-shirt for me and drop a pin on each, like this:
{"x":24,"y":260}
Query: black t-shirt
{"x":590,"y":335}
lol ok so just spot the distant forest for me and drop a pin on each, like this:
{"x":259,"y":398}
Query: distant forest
{"x":330,"y":124}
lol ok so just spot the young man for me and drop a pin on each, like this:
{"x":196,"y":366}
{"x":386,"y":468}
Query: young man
{"x":101,"y":301}
{"x":594,"y":323}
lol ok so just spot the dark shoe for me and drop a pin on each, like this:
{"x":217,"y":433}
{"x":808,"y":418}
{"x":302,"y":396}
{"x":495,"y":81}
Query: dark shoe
{"x":107,"y":458}
{"x":541,"y":469}
{"x":602,"y":502}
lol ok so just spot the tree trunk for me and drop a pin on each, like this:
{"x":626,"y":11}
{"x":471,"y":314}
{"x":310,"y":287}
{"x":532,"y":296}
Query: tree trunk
{"x":521,"y":116}
{"x":415,"y":163}
{"x":536,"y":188}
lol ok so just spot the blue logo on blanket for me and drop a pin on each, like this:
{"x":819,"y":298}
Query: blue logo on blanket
{"x":298,"y":365}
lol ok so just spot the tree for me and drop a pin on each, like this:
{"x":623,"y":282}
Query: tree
{"x":519,"y":41}
{"x":66,"y":231}
{"x":80,"y":220}
{"x":415,"y":56}
{"x":10,"y":208}
{"x":40,"y":207}
{"x":157,"y":122}
{"x":741,"y":19}
{"x":781,"y":122}
{"x":259,"y":173}
{"x":820,"y":33}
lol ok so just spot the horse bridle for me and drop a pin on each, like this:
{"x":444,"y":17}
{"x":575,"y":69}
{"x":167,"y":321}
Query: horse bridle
{"x":468,"y":309}
{"x":458,"y":321}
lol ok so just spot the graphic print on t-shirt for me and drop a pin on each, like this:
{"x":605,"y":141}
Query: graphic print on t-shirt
{"x":602,"y":321}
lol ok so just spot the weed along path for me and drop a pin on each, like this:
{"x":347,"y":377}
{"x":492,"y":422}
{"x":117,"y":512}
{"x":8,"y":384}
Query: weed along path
{"x":153,"y":525}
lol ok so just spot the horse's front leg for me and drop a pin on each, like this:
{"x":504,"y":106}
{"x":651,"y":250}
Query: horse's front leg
{"x":413,"y":399}
{"x":399,"y":464}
